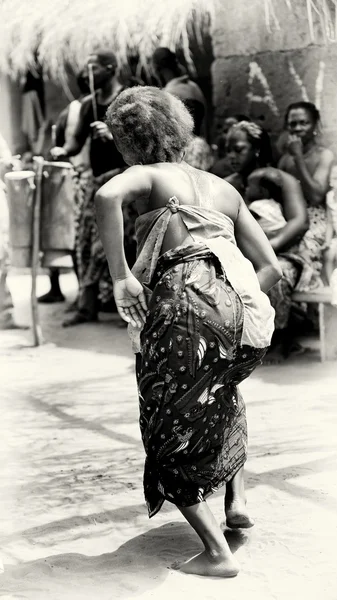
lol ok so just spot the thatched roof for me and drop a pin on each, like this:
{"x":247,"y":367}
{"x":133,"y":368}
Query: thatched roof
{"x":65,"y":31}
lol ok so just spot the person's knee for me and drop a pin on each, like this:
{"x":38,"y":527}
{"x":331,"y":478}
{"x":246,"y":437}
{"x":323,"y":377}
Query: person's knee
{"x":330,"y":255}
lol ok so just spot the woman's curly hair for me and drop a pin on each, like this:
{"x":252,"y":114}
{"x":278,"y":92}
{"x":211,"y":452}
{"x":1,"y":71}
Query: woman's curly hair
{"x":149,"y":125}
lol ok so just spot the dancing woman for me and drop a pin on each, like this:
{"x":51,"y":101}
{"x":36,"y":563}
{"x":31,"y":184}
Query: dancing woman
{"x":197,"y":310}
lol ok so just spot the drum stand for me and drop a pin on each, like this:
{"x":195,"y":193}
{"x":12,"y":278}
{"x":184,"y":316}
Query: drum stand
{"x":36,"y":327}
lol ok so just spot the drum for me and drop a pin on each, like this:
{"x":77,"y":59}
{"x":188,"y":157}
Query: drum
{"x":20,"y":191}
{"x":57,"y":215}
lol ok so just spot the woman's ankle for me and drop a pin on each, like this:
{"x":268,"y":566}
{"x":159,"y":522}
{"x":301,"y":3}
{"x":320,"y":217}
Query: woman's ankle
{"x":217,"y":552}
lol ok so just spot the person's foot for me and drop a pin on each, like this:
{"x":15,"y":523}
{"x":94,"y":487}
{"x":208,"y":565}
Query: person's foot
{"x":237,"y":516}
{"x":72,"y":307}
{"x":78,"y":319}
{"x":10,"y":324}
{"x":222,"y":565}
{"x":51,"y":298}
{"x":274,"y":356}
{"x":295,"y":349}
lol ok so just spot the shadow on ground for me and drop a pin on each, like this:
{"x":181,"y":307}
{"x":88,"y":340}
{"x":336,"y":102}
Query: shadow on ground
{"x":76,"y":572}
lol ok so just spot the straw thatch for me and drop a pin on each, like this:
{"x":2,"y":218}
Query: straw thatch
{"x":321,"y":16}
{"x":64,"y":32}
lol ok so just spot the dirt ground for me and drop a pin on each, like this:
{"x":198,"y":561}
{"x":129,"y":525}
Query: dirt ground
{"x":73,"y":521}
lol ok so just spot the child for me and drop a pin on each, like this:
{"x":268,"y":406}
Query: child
{"x":267,"y":211}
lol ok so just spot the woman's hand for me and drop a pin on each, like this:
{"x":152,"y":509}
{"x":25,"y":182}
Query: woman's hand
{"x":130,"y":300}
{"x":294,"y":145}
{"x":100,"y":130}
{"x":58,"y":152}
{"x":269,"y":173}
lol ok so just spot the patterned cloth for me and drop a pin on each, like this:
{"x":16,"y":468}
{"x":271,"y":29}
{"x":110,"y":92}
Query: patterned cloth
{"x":192,"y":416}
{"x":310,"y":249}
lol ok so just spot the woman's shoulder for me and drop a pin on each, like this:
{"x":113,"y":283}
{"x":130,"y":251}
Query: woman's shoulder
{"x":325,"y":153}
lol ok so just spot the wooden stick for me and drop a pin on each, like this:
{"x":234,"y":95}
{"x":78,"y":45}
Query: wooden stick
{"x":92,"y":91}
{"x":37,"y":332}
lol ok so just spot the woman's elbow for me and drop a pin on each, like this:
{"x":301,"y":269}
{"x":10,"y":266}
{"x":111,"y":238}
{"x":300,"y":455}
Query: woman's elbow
{"x":275,"y":272}
{"x":317,"y":197}
{"x":303,"y":228}
{"x":102,"y":199}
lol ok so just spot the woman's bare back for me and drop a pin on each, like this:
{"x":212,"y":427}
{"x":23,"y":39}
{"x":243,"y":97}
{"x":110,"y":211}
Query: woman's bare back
{"x":191,"y":187}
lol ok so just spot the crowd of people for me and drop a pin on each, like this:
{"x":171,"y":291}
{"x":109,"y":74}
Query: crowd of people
{"x":289,"y":188}
{"x":286,"y":187}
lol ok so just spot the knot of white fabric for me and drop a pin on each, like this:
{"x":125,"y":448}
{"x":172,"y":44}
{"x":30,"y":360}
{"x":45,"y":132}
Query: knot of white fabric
{"x":173,"y":204}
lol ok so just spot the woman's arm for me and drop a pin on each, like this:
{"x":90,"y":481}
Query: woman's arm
{"x":77,"y":141}
{"x":123,"y":189}
{"x":60,"y":127}
{"x":255,"y":246}
{"x":316,"y":186}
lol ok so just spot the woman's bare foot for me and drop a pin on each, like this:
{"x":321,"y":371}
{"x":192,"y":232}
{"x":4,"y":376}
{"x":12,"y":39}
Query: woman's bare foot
{"x":217,"y":559}
{"x":237,"y":516}
{"x":210,"y":566}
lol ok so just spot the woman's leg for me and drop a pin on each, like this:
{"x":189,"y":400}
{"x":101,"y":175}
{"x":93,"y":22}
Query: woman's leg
{"x":55,"y":293}
{"x":87,"y":307}
{"x":329,"y":264}
{"x":216,"y":560}
{"x":237,"y":516}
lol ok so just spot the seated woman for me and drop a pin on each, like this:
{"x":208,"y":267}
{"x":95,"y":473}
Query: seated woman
{"x":307,"y":160}
{"x":283,"y":204}
{"x":199,"y":316}
{"x":221,"y":166}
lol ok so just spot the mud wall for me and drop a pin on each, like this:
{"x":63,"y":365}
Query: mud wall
{"x":258,"y":72}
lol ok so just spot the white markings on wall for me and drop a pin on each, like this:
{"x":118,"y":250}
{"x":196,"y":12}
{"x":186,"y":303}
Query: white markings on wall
{"x":319,"y":84}
{"x":299,"y":81}
{"x":256,"y":75}
{"x":270,"y":15}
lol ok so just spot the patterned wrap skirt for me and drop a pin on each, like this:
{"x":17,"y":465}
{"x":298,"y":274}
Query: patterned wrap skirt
{"x":192,"y":415}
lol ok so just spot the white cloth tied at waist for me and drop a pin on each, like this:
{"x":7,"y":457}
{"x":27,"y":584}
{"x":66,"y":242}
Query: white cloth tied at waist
{"x":216,"y":231}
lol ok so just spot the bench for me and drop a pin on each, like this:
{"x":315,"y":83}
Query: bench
{"x":327,"y":319}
